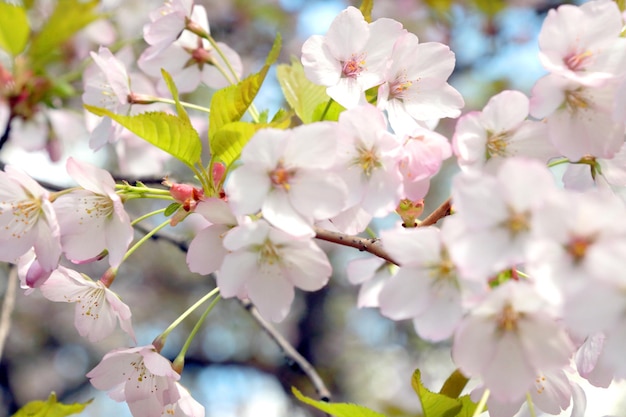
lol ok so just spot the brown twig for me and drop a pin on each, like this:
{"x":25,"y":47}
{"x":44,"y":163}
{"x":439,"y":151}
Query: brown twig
{"x":290,"y":351}
{"x":439,"y":213}
{"x":372,"y":246}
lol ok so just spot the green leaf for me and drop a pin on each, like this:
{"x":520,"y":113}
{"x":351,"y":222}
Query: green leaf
{"x":468,"y":407}
{"x":302,"y":95}
{"x":68,"y":17}
{"x":229,"y":104}
{"x":331,"y":113}
{"x":169,"y":81}
{"x":337,"y":409}
{"x":170,"y":133}
{"x":14,"y":28}
{"x":171,"y":209}
{"x":366,"y":9}
{"x":434,"y":405}
{"x":50,"y":408}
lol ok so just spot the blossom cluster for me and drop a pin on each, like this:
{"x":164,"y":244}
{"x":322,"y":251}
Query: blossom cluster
{"x":524,"y":277}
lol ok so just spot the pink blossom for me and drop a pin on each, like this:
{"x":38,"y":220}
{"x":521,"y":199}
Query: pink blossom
{"x":416,"y":87}
{"x":265,"y":264}
{"x":93,"y":218}
{"x":423,"y":153}
{"x":27,"y":220}
{"x":482,"y":140}
{"x":509,"y":339}
{"x":425,"y":288}
{"x":186,"y":406}
{"x":192,"y":59}
{"x":491,"y":229}
{"x":287,"y":175}
{"x":98,"y":309}
{"x":368,"y":159}
{"x":351,"y":57}
{"x":206,"y":251}
{"x":371,"y":273}
{"x":583,"y":43}
{"x":141,"y":377}
{"x":166,"y":24}
{"x":579,"y":118}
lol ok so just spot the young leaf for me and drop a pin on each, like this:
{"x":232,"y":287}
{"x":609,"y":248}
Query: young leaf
{"x":50,"y":408}
{"x":328,"y":111}
{"x":170,"y":133}
{"x":366,"y":9}
{"x":68,"y":17}
{"x":229,"y":104}
{"x":14,"y":28}
{"x":337,"y":409}
{"x":302,"y":95}
{"x":171,"y":209}
{"x":434,"y":405}
{"x":182,"y":113}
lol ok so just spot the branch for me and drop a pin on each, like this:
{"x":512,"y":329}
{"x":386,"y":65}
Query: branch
{"x":363,"y":244}
{"x":439,"y":213}
{"x":289,"y":351}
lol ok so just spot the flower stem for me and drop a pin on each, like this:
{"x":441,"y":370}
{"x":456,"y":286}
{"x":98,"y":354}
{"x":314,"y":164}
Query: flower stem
{"x":145,"y":238}
{"x":481,"y":404}
{"x":145,"y":216}
{"x":147,"y":99}
{"x":180,"y":359}
{"x":556,"y":162}
{"x":183,"y":316}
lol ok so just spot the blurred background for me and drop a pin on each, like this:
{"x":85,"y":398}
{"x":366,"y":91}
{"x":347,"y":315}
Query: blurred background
{"x":233,"y":368}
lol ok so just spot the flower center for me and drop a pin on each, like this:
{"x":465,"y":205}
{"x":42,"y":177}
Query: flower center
{"x":496,"y":144}
{"x":508,"y":319}
{"x":280,"y":177}
{"x":269,"y":253}
{"x":25,"y":215}
{"x":575,"y":100}
{"x":367,"y":160}
{"x":577,"y":61}
{"x":354,"y":66}
{"x":95,"y":207}
{"x":577,"y":247}
{"x":399,"y":86}
{"x":518,"y":222}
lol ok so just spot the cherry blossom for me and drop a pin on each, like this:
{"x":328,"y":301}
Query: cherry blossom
{"x":191,"y":59}
{"x":416,"y":87}
{"x":98,"y":309}
{"x":579,"y":118}
{"x":423,"y":152}
{"x":483,"y":139}
{"x":491,"y":230}
{"x":510,"y":339}
{"x":351,"y":57}
{"x":107,"y":85}
{"x":186,"y":406}
{"x":93,"y":218}
{"x":287,"y":175}
{"x":371,"y":274}
{"x":425,"y":288}
{"x":368,"y":156}
{"x":583,"y":43}
{"x":265,"y":264}
{"x":141,"y":377}
{"x":27,"y":220}
{"x":166,"y":24}
{"x":206,"y":251}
